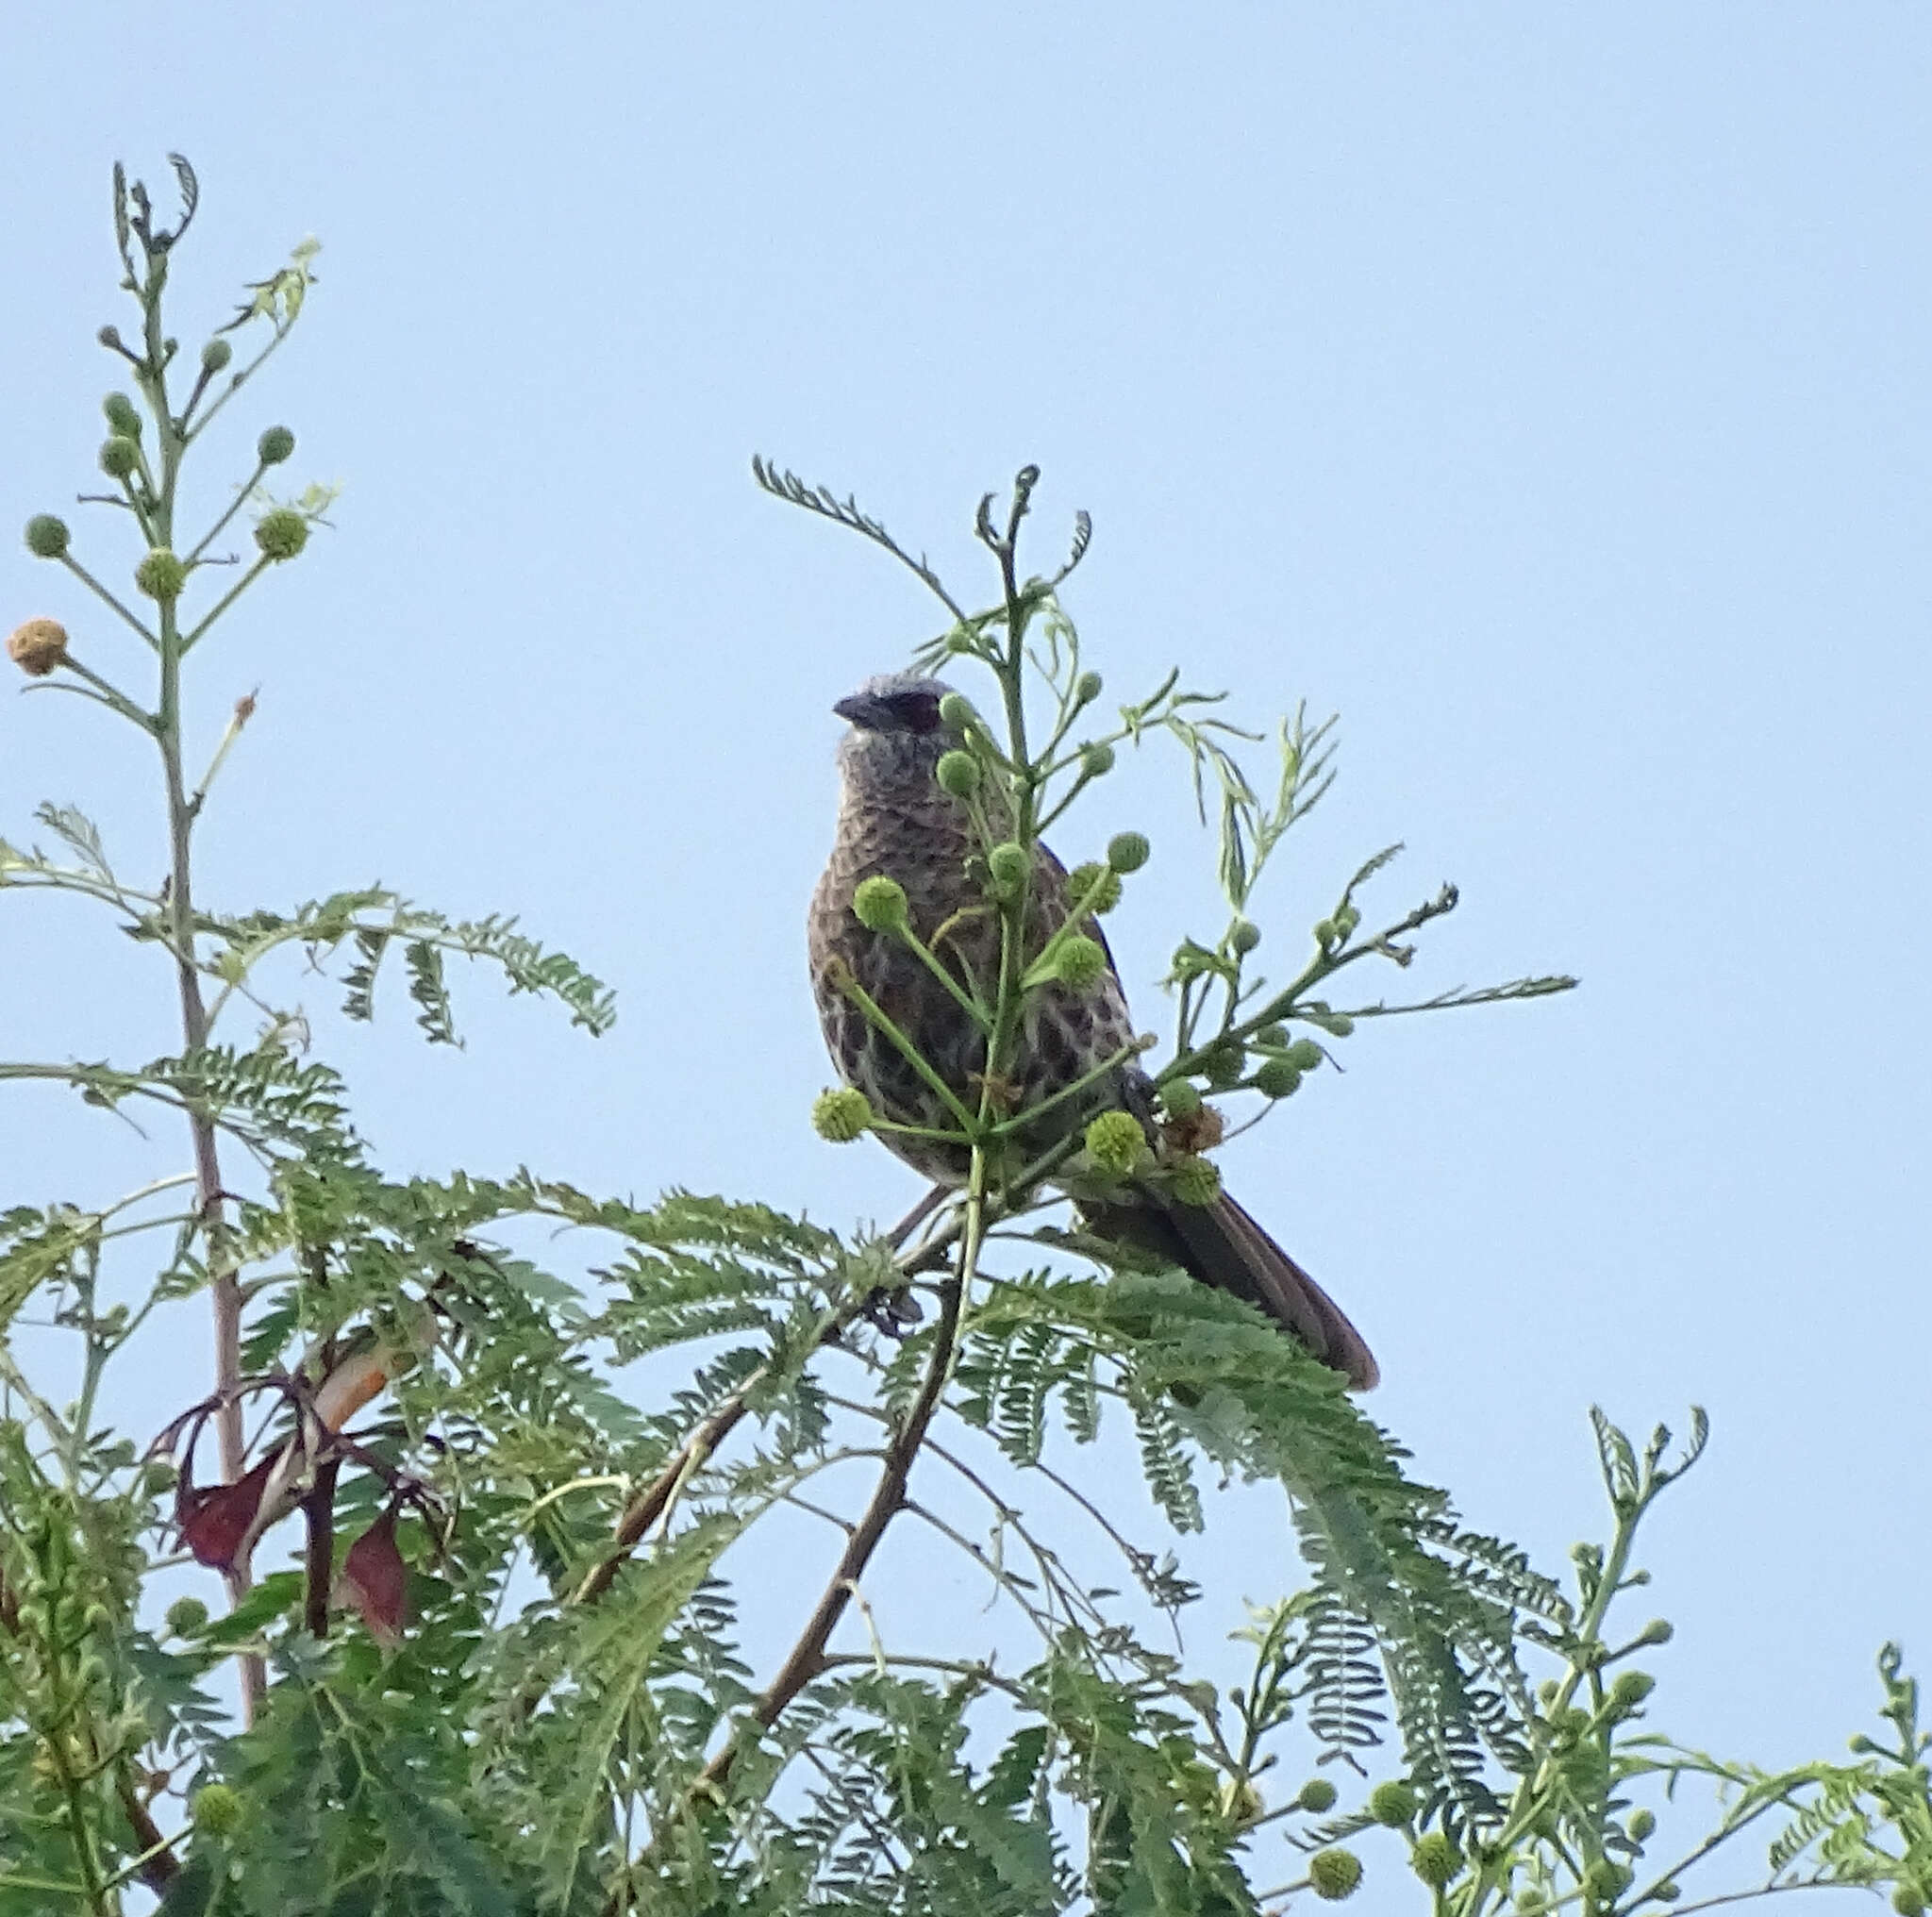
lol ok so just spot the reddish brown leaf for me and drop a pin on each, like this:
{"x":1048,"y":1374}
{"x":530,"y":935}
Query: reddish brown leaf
{"x":376,"y":1581}
{"x":215,"y":1523}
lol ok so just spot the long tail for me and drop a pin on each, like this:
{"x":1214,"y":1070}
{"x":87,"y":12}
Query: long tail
{"x":1220,"y":1245}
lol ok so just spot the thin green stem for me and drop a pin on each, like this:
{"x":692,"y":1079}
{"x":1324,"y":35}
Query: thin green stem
{"x":151,"y":374}
{"x":933,"y":964}
{"x":235,"y":506}
{"x":111,"y":694}
{"x":234,"y":386}
{"x":226,"y":600}
{"x":883,"y":1024}
{"x":100,"y":592}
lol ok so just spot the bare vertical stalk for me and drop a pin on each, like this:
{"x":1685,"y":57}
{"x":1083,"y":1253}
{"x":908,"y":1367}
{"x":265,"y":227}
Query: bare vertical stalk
{"x":225,"y":1289}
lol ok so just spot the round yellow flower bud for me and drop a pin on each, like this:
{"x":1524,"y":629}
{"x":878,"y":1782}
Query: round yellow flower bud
{"x":1334,"y":1874}
{"x":215,"y":1809}
{"x":1392,"y":1803}
{"x":1078,"y":962}
{"x":1008,"y":865}
{"x":879,"y":904}
{"x":840,"y":1116}
{"x":281,"y":534}
{"x":1115,"y":1142}
{"x":958,"y":772}
{"x":161,"y":575}
{"x":1099,"y":885}
{"x":1435,"y":1859}
{"x":46,"y":536}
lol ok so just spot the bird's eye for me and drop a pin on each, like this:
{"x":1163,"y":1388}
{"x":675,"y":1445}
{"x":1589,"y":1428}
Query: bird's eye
{"x":915,"y":711}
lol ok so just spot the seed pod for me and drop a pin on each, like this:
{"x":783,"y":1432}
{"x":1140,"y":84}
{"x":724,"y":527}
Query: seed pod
{"x":38,"y":647}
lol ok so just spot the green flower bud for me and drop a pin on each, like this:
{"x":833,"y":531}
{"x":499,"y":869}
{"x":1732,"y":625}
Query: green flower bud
{"x":187,"y":1617}
{"x":958,"y":772}
{"x":1907,"y":1899}
{"x":1670,"y":1891}
{"x":1273,"y":1035}
{"x":119,"y":458}
{"x":1632,"y":1688}
{"x":1078,"y":962}
{"x":216,"y":354}
{"x":1278,"y":1078}
{"x":161,"y":575}
{"x":840,"y":1116}
{"x":956,"y":713}
{"x":1657,"y":1631}
{"x":1334,"y":1873}
{"x":1318,"y":1795}
{"x":1224,"y":1067}
{"x":1303,"y":1054}
{"x":37,"y":646}
{"x":1606,"y":1880}
{"x":1009,"y":864}
{"x":121,"y":415}
{"x":1099,"y":885}
{"x":109,"y":337}
{"x":1115,"y":1142}
{"x":1180,"y":1098}
{"x":1326,"y":933}
{"x":1196,"y":1180}
{"x":274,"y":445}
{"x":1641,"y":1824}
{"x":879,"y":904}
{"x":1086,"y":688}
{"x":46,"y":537}
{"x":1244,"y":935}
{"x":281,"y":534}
{"x":1097,"y":760}
{"x":215,"y":1809}
{"x":1347,"y":920}
{"x":1391,"y":1803}
{"x":1128,"y":851}
{"x":1435,"y":1859}
{"x":1337,"y":1024}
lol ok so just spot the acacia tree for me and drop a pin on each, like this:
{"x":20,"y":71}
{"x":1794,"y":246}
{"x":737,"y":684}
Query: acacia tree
{"x":479,"y":1647}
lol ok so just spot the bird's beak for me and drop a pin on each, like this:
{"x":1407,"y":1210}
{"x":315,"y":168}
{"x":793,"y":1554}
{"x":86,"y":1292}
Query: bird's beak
{"x":860,"y":709}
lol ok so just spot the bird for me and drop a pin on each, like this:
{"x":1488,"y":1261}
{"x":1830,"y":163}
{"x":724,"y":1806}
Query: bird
{"x":896,"y":821}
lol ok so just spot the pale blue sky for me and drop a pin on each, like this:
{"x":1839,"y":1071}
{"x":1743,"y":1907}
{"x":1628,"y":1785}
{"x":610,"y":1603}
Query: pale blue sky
{"x":1545,"y":388}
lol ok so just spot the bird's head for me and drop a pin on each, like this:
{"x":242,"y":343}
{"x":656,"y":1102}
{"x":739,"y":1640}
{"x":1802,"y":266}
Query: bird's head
{"x":896,"y":729}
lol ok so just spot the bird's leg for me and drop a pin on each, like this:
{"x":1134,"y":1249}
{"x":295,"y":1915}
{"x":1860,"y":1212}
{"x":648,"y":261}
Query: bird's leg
{"x":917,"y":1216}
